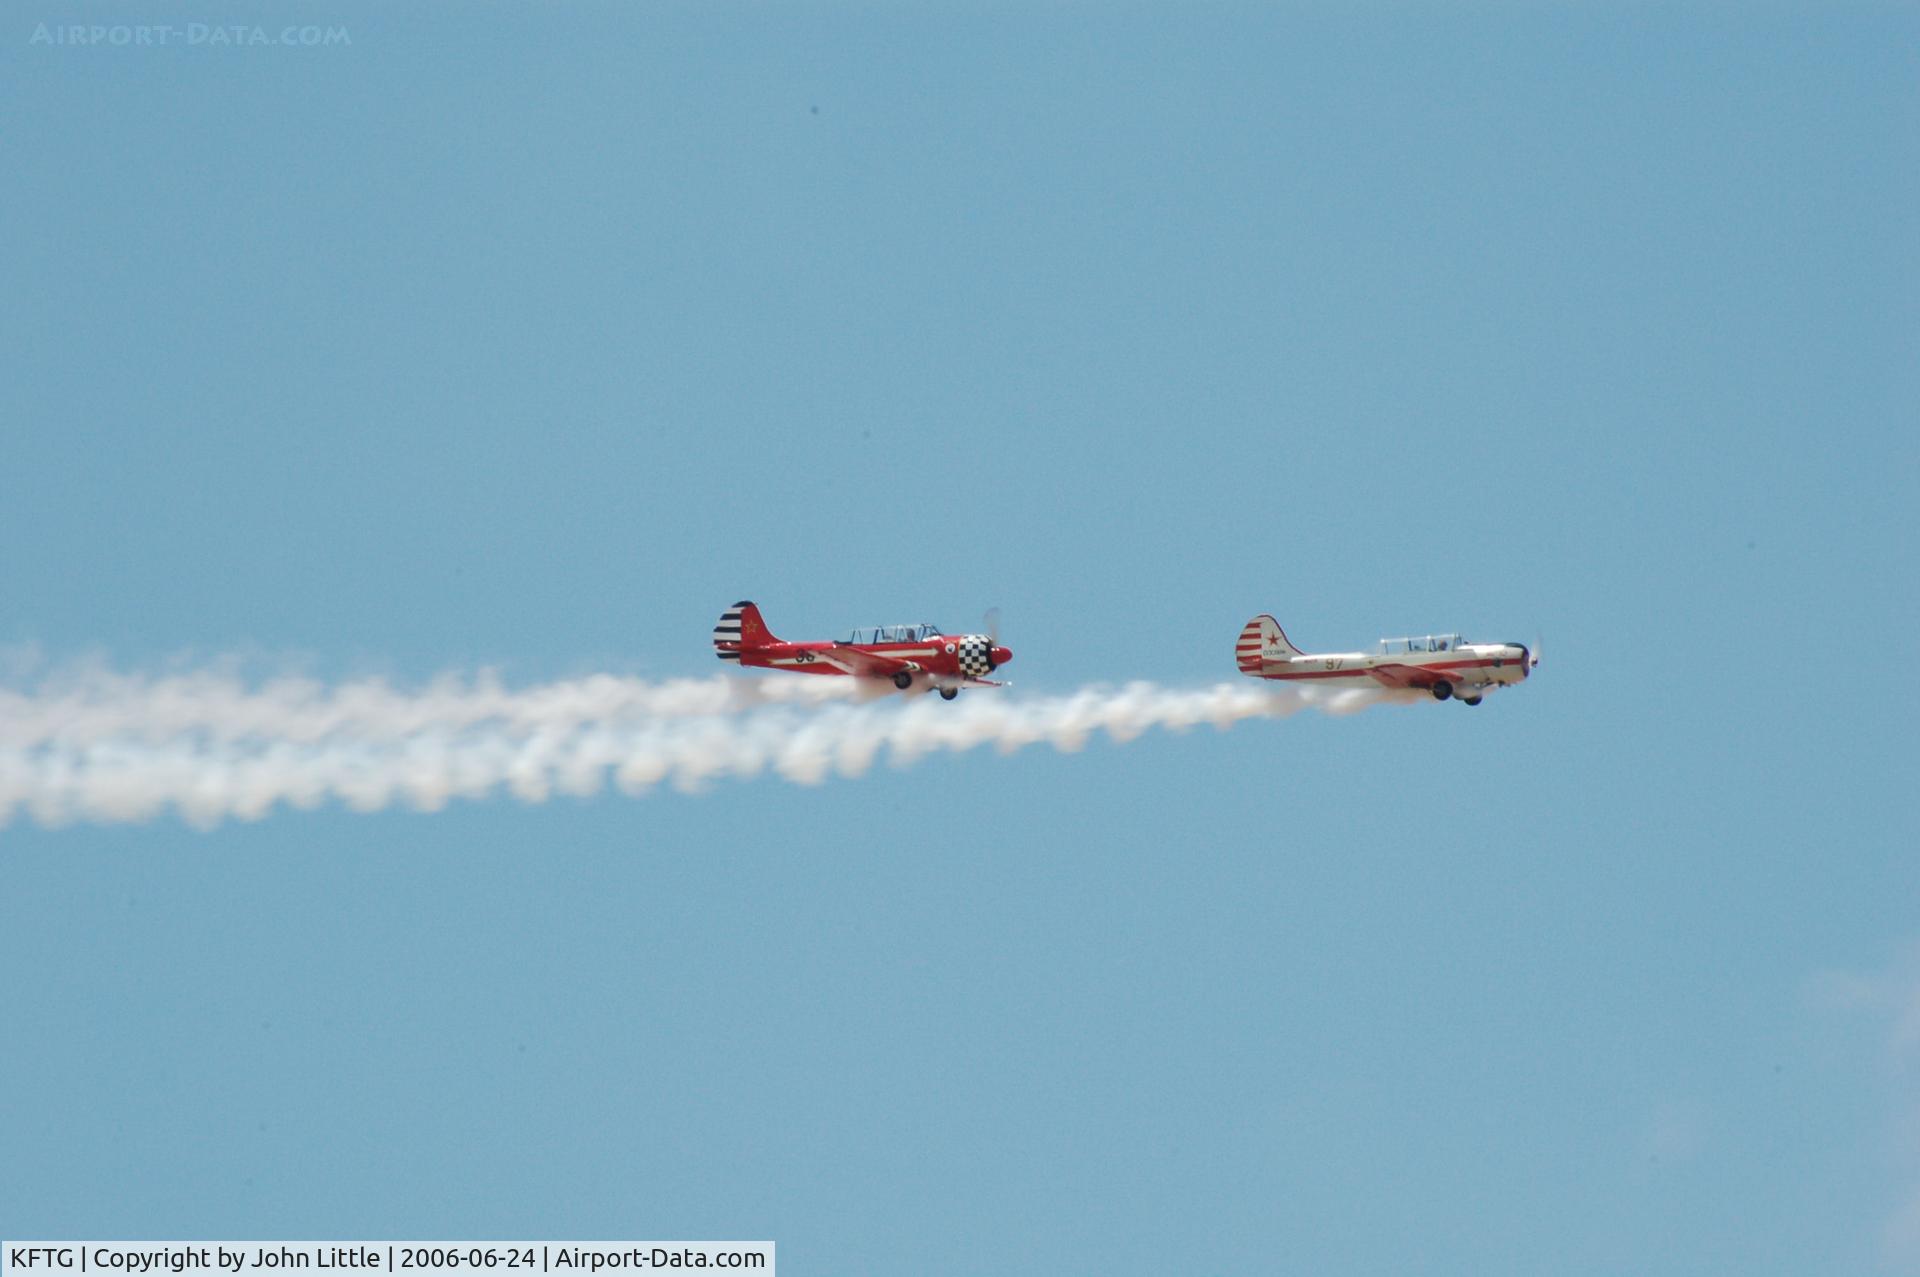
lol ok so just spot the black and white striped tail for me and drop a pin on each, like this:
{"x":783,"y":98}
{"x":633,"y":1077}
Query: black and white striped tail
{"x":726,"y":635}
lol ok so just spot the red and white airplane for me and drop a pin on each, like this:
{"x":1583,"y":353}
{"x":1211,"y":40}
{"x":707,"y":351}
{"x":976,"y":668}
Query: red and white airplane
{"x":908,"y":656}
{"x":1442,"y":665}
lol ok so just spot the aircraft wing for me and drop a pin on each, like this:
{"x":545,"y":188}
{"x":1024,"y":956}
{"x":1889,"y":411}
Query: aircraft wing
{"x":857,"y":660}
{"x":1404,"y":676}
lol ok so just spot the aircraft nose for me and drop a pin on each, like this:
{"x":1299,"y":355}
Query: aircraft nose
{"x":1001,"y":655}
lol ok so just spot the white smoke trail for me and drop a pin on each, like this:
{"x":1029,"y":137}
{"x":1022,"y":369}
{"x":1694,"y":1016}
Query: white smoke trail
{"x":108,"y":747}
{"x":86,"y":706}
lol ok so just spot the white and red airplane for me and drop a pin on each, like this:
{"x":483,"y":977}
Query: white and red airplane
{"x":1442,"y":665}
{"x":908,"y":656}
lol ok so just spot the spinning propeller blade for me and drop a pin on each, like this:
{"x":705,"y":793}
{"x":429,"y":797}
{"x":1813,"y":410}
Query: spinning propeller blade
{"x":992,"y":621}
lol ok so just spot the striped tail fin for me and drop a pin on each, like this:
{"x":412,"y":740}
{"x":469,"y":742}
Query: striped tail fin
{"x":740,"y":627}
{"x":1262,"y":639}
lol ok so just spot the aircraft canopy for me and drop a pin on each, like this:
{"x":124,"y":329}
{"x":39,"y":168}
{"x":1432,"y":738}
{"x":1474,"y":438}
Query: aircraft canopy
{"x":893,"y":633}
{"x":1425,"y":643}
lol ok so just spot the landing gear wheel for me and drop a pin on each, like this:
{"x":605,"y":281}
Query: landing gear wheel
{"x":903,"y":680}
{"x":1441,"y":691}
{"x":948,"y":693}
{"x":1469,"y":700}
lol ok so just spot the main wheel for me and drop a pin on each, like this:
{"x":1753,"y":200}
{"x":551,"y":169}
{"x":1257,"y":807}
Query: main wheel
{"x":903,"y":680}
{"x":1469,"y":700}
{"x":1441,"y":691}
{"x":948,"y":693}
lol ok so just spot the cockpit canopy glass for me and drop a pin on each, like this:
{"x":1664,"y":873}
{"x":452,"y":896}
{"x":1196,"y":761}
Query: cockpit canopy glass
{"x":893,"y":633}
{"x":1425,"y":643}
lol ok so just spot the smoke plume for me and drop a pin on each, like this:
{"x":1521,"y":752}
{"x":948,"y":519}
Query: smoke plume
{"x":107,"y":747}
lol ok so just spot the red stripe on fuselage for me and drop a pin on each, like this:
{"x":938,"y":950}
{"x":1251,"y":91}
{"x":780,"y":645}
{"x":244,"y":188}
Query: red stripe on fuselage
{"x":1373,"y":671}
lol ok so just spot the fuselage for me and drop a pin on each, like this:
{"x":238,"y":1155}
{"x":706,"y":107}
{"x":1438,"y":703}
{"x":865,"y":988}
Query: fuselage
{"x":1466,"y":666}
{"x":1443,"y":665}
{"x":939,"y":655}
{"x":904,"y":655}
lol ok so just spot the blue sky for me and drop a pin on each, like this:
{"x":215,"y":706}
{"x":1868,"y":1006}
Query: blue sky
{"x":531,"y":340}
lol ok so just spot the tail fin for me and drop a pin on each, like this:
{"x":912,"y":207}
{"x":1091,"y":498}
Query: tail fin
{"x":740,"y":627}
{"x":1262,"y":639}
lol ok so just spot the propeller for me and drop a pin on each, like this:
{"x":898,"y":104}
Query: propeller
{"x":992,"y":621}
{"x":1533,"y":655}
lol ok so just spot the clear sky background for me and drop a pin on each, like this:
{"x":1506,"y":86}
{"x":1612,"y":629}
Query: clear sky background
{"x":533,"y":338}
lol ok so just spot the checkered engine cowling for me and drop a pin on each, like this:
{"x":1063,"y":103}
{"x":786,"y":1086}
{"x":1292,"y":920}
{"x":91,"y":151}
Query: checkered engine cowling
{"x":976,"y":655}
